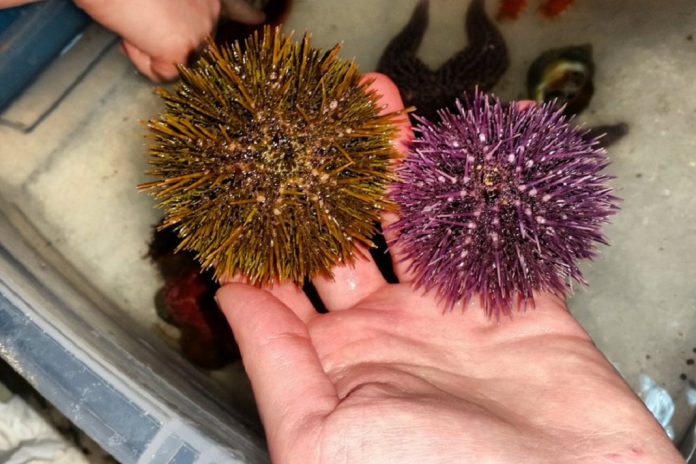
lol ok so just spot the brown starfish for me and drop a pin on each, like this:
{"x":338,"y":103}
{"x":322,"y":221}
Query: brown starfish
{"x":480,"y":64}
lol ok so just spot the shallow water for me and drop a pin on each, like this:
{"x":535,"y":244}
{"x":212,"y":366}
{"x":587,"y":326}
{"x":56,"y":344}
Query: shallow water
{"x":75,"y":173}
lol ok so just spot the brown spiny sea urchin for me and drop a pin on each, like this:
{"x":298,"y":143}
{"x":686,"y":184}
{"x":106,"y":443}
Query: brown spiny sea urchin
{"x":271,"y":159}
{"x":498,"y":202}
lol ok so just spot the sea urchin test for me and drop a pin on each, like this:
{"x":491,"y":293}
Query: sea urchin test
{"x":271,"y":159}
{"x":498,"y":202}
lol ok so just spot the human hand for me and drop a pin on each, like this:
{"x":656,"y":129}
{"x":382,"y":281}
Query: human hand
{"x":11,"y":3}
{"x":157,"y":34}
{"x":389,"y":376}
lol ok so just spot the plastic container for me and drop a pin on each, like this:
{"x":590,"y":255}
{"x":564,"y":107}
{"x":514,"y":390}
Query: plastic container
{"x":121,"y":385}
{"x":73,"y":230}
{"x":31,"y":36}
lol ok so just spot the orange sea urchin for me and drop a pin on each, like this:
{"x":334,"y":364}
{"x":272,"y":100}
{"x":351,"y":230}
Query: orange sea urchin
{"x":271,"y":163}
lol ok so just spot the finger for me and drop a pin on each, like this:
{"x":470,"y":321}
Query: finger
{"x":400,"y":263}
{"x":140,"y":60}
{"x":289,"y":384}
{"x":164,"y":70}
{"x":350,"y":282}
{"x":524,"y":104}
{"x":391,"y":99}
{"x":10,"y":3}
{"x":294,"y":298}
{"x":353,"y":282}
{"x":288,"y":293}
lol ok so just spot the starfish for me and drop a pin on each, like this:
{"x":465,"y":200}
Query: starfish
{"x":480,"y":64}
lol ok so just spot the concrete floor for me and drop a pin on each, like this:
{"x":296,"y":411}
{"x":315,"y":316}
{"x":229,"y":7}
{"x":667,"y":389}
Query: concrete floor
{"x":75,"y":173}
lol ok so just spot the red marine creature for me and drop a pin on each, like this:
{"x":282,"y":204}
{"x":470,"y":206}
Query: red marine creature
{"x":511,"y":9}
{"x":187,"y":301}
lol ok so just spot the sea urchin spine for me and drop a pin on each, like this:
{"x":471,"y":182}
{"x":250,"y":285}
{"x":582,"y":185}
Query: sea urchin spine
{"x":499,"y":202}
{"x":272,"y":162}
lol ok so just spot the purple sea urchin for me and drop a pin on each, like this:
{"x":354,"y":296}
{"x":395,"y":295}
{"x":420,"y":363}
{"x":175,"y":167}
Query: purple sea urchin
{"x":272,"y":163}
{"x":500,"y":202}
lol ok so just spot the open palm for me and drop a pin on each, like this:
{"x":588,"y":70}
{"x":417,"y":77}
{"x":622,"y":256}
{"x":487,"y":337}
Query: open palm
{"x":387,"y":376}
